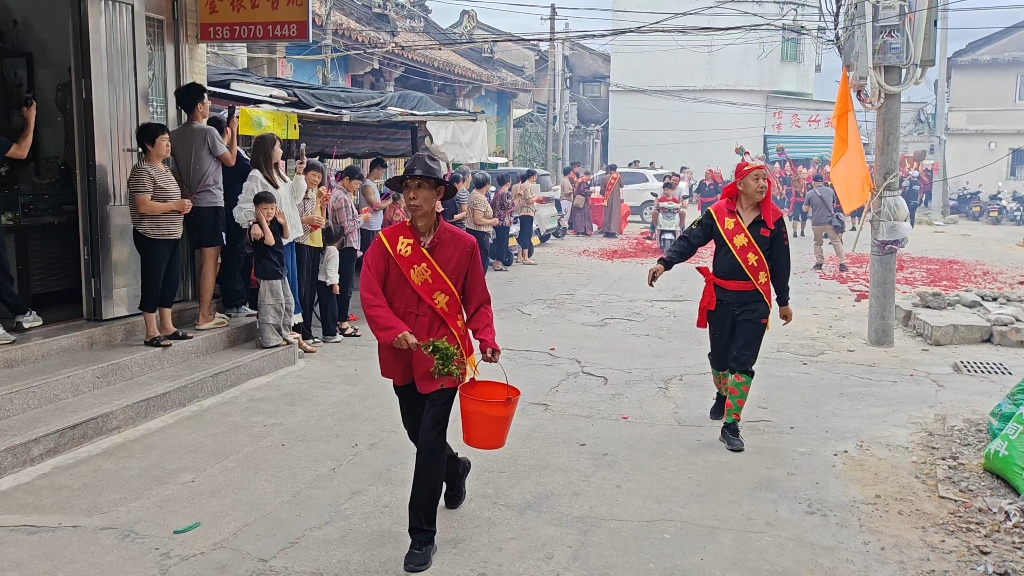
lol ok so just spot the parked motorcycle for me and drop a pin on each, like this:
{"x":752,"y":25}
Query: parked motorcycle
{"x":996,"y":209}
{"x":1015,"y":208}
{"x":668,"y":228}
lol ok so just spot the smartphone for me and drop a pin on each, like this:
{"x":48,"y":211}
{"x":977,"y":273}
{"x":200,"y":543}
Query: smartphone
{"x":231,"y":112}
{"x":30,"y":96}
{"x":302,"y":151}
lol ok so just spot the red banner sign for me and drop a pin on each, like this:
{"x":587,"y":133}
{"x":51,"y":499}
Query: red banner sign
{"x":244,"y":21}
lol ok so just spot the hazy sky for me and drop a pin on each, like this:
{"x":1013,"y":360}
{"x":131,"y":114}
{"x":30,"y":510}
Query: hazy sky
{"x":968,"y":21}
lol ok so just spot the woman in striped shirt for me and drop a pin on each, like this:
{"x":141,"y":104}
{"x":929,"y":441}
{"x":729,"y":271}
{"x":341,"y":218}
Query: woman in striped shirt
{"x":157,"y":209}
{"x":341,"y":212}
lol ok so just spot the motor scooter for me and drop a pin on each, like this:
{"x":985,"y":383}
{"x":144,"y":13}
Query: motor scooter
{"x":548,"y":221}
{"x":996,"y":209}
{"x":976,"y":207}
{"x":668,"y":228}
{"x":1015,"y":208}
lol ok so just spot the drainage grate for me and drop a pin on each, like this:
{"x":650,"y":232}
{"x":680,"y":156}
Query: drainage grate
{"x":986,"y":368}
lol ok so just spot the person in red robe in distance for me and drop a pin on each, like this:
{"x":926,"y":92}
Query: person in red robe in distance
{"x":401,"y":317}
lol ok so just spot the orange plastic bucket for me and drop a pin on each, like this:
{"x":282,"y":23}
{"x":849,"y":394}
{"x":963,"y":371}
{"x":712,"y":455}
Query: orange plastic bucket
{"x":487,"y":409}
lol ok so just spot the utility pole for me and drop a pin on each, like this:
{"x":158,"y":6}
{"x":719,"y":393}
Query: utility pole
{"x":327,"y":43}
{"x":882,"y":290}
{"x":940,"y":109}
{"x":552,"y":80}
{"x":559,"y":125}
{"x":563,"y":78}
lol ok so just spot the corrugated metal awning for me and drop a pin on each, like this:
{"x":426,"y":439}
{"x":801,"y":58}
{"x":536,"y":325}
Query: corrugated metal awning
{"x":798,"y":147}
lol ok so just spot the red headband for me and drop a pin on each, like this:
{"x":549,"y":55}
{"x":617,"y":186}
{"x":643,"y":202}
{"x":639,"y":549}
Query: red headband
{"x":731,"y":191}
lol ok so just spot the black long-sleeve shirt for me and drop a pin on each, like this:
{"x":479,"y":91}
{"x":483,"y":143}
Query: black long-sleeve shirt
{"x":774,"y":244}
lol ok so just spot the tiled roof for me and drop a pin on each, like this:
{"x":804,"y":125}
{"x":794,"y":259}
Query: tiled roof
{"x":357,"y":22}
{"x":1006,"y":45}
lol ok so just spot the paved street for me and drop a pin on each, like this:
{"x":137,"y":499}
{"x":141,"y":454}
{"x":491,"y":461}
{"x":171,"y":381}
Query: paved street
{"x":612,"y":465}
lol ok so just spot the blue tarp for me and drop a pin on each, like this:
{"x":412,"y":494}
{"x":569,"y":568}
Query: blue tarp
{"x":798,"y":147}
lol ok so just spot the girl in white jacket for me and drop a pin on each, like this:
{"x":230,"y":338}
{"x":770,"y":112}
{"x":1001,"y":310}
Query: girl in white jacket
{"x":267,"y":176}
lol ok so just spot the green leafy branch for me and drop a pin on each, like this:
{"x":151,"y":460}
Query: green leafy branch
{"x":448,"y":359}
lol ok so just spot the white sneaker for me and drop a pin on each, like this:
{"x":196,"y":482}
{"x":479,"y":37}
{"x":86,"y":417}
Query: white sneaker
{"x":333,"y":339}
{"x":240,"y":312}
{"x":28,"y":320}
{"x":6,"y":338}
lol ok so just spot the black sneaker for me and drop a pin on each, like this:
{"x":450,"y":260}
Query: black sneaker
{"x":843,"y":268}
{"x":420,"y":556}
{"x":817,"y":267}
{"x":455,"y":492}
{"x":802,"y":234}
{"x":731,"y":437}
{"x":853,"y":229}
{"x":718,"y":410}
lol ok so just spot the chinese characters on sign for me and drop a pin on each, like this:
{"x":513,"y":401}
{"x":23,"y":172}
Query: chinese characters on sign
{"x":799,"y":122}
{"x":245,"y":21}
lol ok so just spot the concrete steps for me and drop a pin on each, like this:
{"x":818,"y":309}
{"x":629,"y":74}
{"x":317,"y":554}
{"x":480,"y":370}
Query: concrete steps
{"x":70,"y":387}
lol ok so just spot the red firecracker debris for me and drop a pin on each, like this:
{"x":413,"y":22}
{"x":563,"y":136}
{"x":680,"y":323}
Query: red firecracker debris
{"x":638,"y":247}
{"x":624,"y":417}
{"x":914,"y":272}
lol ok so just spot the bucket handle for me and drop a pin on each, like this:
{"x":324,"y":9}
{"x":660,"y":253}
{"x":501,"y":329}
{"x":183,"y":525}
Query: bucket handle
{"x":507,"y":395}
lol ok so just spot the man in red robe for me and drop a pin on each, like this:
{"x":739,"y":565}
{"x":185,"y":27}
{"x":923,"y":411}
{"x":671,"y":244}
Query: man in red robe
{"x":423,"y":280}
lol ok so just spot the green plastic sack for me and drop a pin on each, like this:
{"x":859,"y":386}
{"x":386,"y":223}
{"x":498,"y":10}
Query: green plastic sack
{"x":1004,"y":456}
{"x":1001,"y":415}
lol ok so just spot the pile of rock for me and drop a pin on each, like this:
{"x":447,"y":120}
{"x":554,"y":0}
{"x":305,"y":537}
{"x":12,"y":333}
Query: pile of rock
{"x":967,"y":317}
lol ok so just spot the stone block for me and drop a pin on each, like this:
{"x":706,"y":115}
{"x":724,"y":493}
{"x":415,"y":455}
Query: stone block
{"x":969,"y":299}
{"x":905,"y":312}
{"x":951,"y":219}
{"x":1001,"y":320}
{"x":994,"y":309}
{"x":1008,"y":336}
{"x":933,"y":299}
{"x":942,"y":328}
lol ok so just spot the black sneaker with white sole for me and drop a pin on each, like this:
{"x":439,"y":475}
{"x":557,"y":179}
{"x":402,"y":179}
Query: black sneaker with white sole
{"x":420,"y":556}
{"x":731,"y":437}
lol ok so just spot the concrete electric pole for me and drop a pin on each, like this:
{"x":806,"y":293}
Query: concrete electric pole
{"x":327,"y":42}
{"x":882,"y":290}
{"x":940,"y":110}
{"x":552,"y":80}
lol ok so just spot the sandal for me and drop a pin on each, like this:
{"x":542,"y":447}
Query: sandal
{"x":160,"y":341}
{"x":351,"y":332}
{"x":306,"y":348}
{"x":178,"y":335}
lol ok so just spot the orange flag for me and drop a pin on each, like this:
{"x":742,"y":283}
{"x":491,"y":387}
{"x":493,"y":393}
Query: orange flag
{"x":850,"y":175}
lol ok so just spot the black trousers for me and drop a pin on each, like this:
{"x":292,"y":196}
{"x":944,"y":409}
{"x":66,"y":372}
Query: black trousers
{"x":159,"y":260}
{"x":8,"y":295}
{"x":483,"y":240}
{"x":365,"y":239}
{"x":736,"y":332}
{"x":328,"y":310}
{"x":499,"y":248}
{"x":232,"y":278}
{"x":912,"y":206}
{"x":346,"y":275}
{"x":526,"y":235}
{"x":425,"y":418}
{"x":307,"y":263}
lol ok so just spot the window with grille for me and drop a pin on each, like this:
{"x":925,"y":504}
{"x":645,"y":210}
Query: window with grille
{"x":1020,"y":89}
{"x":1017,"y":164}
{"x":792,"y":48}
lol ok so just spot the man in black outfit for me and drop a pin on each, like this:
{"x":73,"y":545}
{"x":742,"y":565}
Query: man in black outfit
{"x":751,"y":258}
{"x":23,"y":317}
{"x":235,"y":264}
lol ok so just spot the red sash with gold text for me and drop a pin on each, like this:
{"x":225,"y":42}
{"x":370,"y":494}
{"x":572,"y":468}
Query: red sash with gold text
{"x":431,"y":283}
{"x":609,"y":185}
{"x":744,"y":248}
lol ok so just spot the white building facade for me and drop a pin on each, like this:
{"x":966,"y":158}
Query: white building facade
{"x":688,"y":97}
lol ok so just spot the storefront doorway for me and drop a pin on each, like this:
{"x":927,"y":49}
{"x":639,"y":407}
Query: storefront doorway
{"x":97,"y":68}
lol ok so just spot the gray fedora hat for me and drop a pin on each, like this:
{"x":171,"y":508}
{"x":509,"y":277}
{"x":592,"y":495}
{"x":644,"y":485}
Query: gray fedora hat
{"x":423,"y":165}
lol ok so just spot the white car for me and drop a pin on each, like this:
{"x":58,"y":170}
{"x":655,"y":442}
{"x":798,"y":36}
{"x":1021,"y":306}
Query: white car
{"x":637,"y":185}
